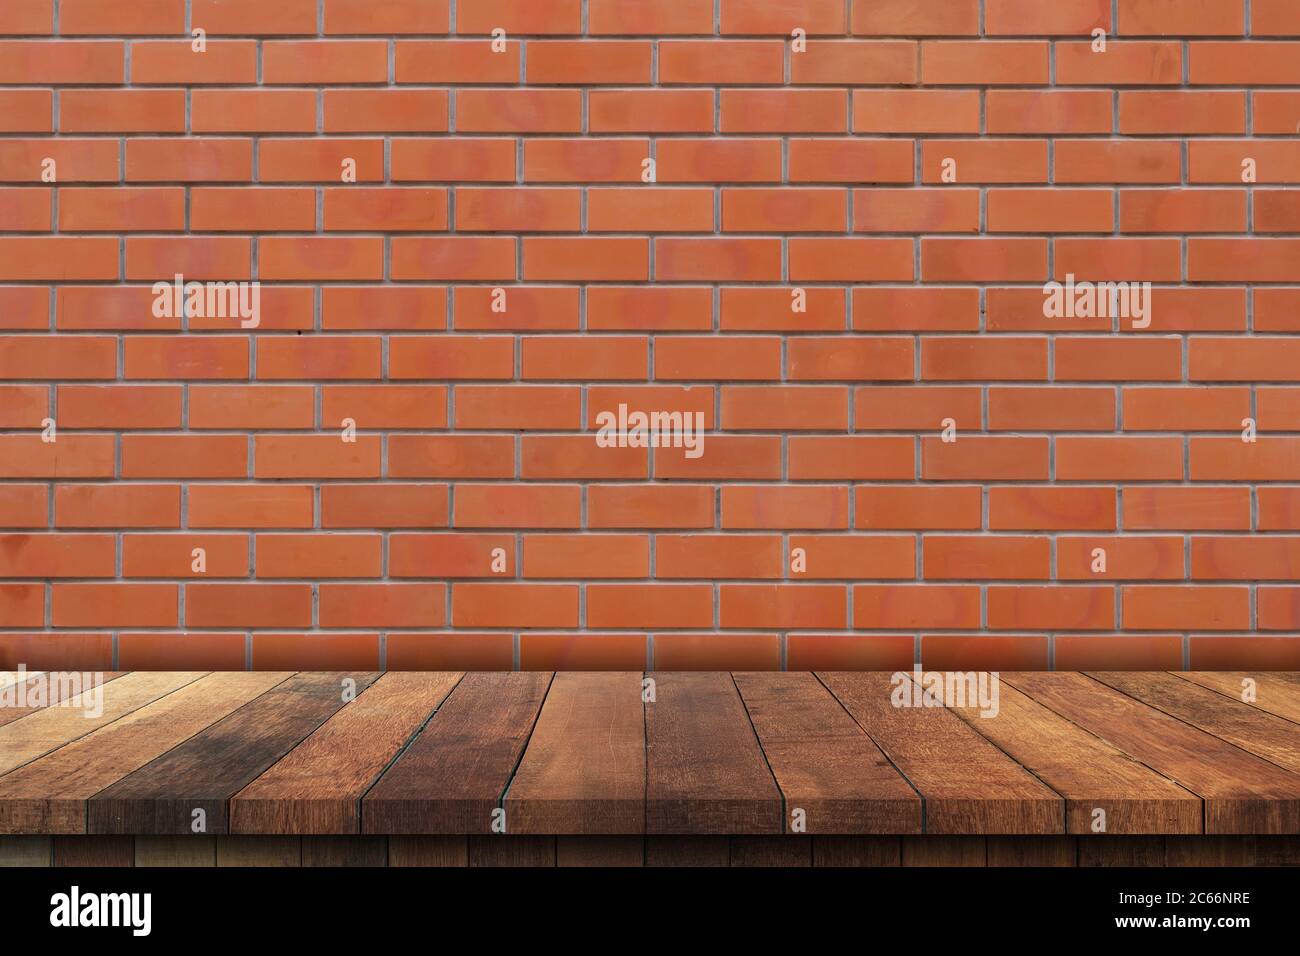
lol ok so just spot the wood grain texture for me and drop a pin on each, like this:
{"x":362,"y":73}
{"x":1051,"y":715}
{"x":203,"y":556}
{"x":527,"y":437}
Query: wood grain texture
{"x":1275,"y":739}
{"x":823,"y":762}
{"x":349,"y":851}
{"x":53,"y":692}
{"x":206,"y":770}
{"x":94,"y":851}
{"x":27,"y":851}
{"x":1243,"y":793}
{"x":705,"y":772}
{"x":455,"y":773}
{"x":687,"y":851}
{"x":49,"y":794}
{"x":785,"y":851}
{"x":428,"y":851}
{"x":510,"y":851}
{"x":857,"y":851}
{"x":317,"y":787}
{"x":946,"y":850}
{"x":1031,"y":851}
{"x":277,"y":851}
{"x":45,"y":730}
{"x":1106,"y":850}
{"x":176,"y":851}
{"x":1088,"y":772}
{"x":1273,"y":693}
{"x":619,"y":851}
{"x":968,"y":785}
{"x":584,"y":771}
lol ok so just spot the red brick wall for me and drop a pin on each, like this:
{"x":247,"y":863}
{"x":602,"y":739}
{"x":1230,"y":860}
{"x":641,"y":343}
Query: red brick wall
{"x":915,"y":172}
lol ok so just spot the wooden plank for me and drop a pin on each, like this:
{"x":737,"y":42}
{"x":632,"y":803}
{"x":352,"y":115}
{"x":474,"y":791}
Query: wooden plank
{"x":1273,"y":738}
{"x":687,"y":851}
{"x":85,"y":851}
{"x":37,"y":734}
{"x":620,"y":851}
{"x":454,"y":774}
{"x":1273,"y":693}
{"x":333,"y":851}
{"x":176,"y":851}
{"x":318,"y":786}
{"x":857,"y":851}
{"x":26,"y":851}
{"x":1243,"y":793}
{"x":428,"y":851}
{"x":46,"y":692}
{"x":505,"y":850}
{"x":945,"y":851}
{"x":968,"y":786}
{"x":49,"y":794}
{"x":10,"y":678}
{"x":165,"y":795}
{"x":277,"y":851}
{"x":1122,"y":851}
{"x":705,"y":772}
{"x":584,"y":769}
{"x":786,"y":850}
{"x":1032,"y":851}
{"x":823,"y":762}
{"x":1088,"y":772}
{"x":1210,"y":851}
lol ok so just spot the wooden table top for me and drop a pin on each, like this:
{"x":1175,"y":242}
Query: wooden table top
{"x":626,"y":753}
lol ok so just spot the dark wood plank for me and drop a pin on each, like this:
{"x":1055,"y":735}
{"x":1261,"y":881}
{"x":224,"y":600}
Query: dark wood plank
{"x":1273,"y":738}
{"x":1032,"y":851}
{"x":783,"y":851}
{"x":945,"y":851}
{"x":687,"y":851}
{"x":176,"y":851}
{"x":967,"y":784}
{"x":45,"y":730}
{"x":428,"y":851}
{"x":455,"y":773}
{"x":276,"y":851}
{"x":205,"y":771}
{"x":85,"y":851}
{"x":344,"y":851}
{"x":49,"y":794}
{"x":584,"y":769}
{"x":28,"y":851}
{"x":1210,"y":851}
{"x":824,"y":763}
{"x":705,"y":772}
{"x":506,"y":850}
{"x":1243,"y":793}
{"x":620,"y":851}
{"x":317,"y":787}
{"x":40,"y":688}
{"x":1122,"y":851}
{"x":857,"y":851}
{"x":1274,"y":693}
{"x":1089,"y":773}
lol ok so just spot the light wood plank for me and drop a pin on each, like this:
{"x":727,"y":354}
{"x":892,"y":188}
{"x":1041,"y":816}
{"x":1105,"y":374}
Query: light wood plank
{"x":705,"y":770}
{"x":584,"y":771}
{"x":1273,"y":738}
{"x":455,"y":773}
{"x":49,"y":794}
{"x":317,"y":787}
{"x":1088,"y":772}
{"x":1274,"y":693}
{"x":37,"y":734}
{"x":192,"y":783}
{"x":824,"y":763}
{"x":968,"y":785}
{"x":47,"y":693}
{"x":1243,"y":793}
